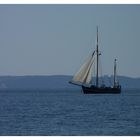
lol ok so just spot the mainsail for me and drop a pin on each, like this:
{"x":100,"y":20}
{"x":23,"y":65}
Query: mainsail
{"x":84,"y":75}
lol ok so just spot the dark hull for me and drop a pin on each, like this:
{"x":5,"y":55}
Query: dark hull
{"x":101,"y":90}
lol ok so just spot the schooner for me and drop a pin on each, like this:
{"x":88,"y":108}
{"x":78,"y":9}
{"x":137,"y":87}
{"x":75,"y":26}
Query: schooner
{"x":84,"y":78}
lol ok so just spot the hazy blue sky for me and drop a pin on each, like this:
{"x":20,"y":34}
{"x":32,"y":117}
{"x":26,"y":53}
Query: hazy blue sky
{"x":56,"y":39}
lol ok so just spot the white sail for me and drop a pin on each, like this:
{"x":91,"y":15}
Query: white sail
{"x":84,"y":75}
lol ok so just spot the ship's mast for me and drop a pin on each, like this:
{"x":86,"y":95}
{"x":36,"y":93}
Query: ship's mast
{"x":97,"y":53}
{"x":115,"y":72}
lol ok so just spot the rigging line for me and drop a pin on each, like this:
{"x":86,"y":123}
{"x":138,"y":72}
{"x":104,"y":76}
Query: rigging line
{"x":89,"y":70}
{"x":116,"y":73}
{"x":94,"y":72}
{"x":101,"y":70}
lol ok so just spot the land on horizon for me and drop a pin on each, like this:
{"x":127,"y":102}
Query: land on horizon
{"x":57,"y":82}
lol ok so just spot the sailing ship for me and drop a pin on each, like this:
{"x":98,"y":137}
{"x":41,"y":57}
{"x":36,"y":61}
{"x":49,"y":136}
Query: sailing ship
{"x":84,"y":77}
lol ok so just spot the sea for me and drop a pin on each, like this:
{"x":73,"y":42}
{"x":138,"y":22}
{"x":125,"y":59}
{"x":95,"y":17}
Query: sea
{"x":69,"y":113}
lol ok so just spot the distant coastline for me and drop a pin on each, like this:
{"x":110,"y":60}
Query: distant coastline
{"x":56,"y":83}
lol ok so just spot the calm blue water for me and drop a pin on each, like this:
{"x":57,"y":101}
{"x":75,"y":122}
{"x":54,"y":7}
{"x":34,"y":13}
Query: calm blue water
{"x":69,"y":113}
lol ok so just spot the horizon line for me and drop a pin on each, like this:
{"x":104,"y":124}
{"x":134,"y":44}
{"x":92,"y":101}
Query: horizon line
{"x":62,"y":75}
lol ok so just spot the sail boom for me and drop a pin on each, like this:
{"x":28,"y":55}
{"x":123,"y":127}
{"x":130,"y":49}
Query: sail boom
{"x":75,"y":83}
{"x":79,"y":84}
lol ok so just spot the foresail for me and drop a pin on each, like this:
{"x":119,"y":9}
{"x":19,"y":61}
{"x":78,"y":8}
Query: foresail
{"x":88,"y":78}
{"x":84,"y":75}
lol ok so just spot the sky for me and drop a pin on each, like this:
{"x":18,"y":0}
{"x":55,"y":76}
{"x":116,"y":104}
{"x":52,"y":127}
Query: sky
{"x":57,"y":39}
